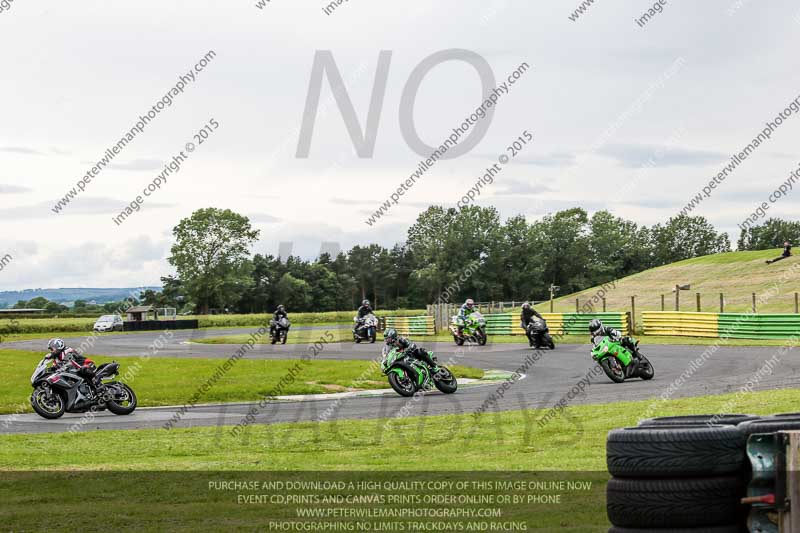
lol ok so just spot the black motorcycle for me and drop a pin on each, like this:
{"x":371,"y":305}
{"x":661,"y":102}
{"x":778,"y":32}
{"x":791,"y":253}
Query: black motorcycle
{"x":280,"y":330}
{"x":59,"y":390}
{"x":539,"y":334}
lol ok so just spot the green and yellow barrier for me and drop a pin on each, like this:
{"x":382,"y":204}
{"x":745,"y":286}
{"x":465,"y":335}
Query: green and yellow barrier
{"x":716,"y":325}
{"x":559,"y":323}
{"x":411,"y":325}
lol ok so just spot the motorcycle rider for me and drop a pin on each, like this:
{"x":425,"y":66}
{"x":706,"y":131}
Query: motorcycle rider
{"x":466,"y":309}
{"x":365,"y":309}
{"x":526,"y":317}
{"x":280,"y":312}
{"x":64,"y":356}
{"x":392,"y":338}
{"x":597,"y":329}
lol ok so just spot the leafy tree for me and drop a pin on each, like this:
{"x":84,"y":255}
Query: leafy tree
{"x":772,"y":234}
{"x":684,"y":237}
{"x":294,"y":293}
{"x":211,"y":256}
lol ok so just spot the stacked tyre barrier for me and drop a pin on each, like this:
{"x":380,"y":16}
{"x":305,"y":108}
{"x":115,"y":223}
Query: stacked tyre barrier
{"x":685,"y":473}
{"x":715,"y":325}
{"x":411,"y":325}
{"x":559,"y":323}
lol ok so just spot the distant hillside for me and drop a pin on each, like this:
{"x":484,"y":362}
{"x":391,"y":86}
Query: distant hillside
{"x":67,"y":296}
{"x":735,"y":274}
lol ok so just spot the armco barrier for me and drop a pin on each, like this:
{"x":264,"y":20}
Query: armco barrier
{"x":157,"y":325}
{"x":729,"y":325}
{"x":574,"y":323}
{"x":411,"y":325}
{"x":680,"y":324}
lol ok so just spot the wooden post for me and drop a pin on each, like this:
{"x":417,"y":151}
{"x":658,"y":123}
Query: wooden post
{"x":577,"y":305}
{"x":698,"y":301}
{"x":796,"y":303}
{"x":633,"y":315}
{"x":677,"y":297}
{"x":755,"y":310}
{"x":551,"y":302}
{"x":721,"y":302}
{"x":663,"y":306}
{"x":604,"y":304}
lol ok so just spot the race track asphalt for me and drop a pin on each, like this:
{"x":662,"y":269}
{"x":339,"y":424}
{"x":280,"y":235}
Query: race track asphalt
{"x":546,"y":381}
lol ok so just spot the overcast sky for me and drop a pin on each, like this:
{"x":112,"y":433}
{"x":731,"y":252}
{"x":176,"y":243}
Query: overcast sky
{"x":602,"y":97}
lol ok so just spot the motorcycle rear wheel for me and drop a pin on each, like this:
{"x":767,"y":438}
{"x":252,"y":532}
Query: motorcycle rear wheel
{"x":123,"y":406}
{"x":615,"y":372}
{"x":646,"y":370}
{"x":445,"y":381}
{"x":54,"y":408}
{"x":404,"y":387}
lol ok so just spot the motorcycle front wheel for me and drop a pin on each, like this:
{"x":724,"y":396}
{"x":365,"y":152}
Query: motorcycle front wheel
{"x":47,"y":403}
{"x":482,"y":337}
{"x":404,"y":386}
{"x":613,"y":369}
{"x":284,"y":336}
{"x":372,"y":335}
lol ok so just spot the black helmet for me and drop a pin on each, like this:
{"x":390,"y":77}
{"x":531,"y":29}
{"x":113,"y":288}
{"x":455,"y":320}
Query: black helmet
{"x":365,"y":303}
{"x":526,"y":305}
{"x":390,"y":335}
{"x":594,"y":326}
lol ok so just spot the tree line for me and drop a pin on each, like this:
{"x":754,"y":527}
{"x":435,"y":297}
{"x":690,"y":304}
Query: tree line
{"x":448,"y":255}
{"x":516,"y":260}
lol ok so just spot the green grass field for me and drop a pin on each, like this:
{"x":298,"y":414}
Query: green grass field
{"x":735,"y":274}
{"x":166,"y":381}
{"x":509,"y":441}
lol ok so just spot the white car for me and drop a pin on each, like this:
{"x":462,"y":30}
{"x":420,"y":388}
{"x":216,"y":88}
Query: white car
{"x":109,"y":323}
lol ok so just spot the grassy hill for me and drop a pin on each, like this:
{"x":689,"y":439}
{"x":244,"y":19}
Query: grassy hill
{"x":736,"y":274}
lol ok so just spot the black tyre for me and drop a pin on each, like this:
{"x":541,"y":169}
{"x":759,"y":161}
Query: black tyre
{"x":404,"y":386}
{"x":718,"y":529}
{"x":769,"y":425}
{"x":49,"y":404}
{"x":358,"y":340}
{"x":550,"y":342}
{"x":445,"y":381}
{"x":674,"y":503}
{"x":123,"y":400}
{"x":646,"y":370}
{"x":459,"y":340}
{"x":274,"y":339}
{"x":724,"y":420}
{"x":613,"y":369}
{"x":284,"y":336}
{"x":372,"y":336}
{"x":675,"y":451}
{"x":482,"y":337}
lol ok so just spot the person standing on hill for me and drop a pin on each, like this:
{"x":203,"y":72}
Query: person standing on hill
{"x":787,"y":252}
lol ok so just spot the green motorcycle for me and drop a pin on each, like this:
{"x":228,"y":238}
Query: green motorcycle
{"x":472,"y":328}
{"x":407,"y":375}
{"x":618,"y":362}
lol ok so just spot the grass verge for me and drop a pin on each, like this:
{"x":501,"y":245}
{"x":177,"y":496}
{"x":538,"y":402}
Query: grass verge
{"x":507,"y":441}
{"x":167,"y":381}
